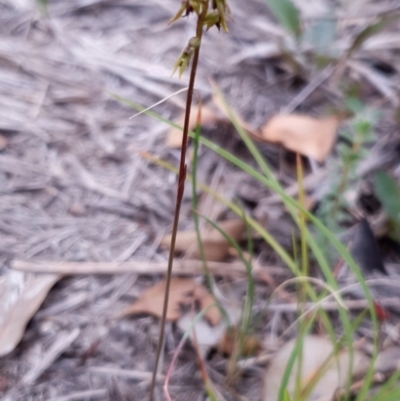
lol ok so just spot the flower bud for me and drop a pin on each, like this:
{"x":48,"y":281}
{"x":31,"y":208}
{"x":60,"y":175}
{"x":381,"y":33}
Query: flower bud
{"x":183,"y":60}
{"x":212,"y":19}
{"x":196,"y":5}
{"x":178,"y":14}
{"x":221,"y":7}
{"x":186,"y":7}
{"x":194,"y":43}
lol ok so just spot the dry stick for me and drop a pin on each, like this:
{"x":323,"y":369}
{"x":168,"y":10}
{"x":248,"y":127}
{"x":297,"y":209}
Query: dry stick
{"x":179,"y":196}
{"x":181,"y":267}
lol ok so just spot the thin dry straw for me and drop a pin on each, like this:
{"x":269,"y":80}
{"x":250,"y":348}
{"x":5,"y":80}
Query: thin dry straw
{"x":158,"y":103}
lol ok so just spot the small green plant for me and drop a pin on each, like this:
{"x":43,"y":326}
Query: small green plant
{"x":387,"y":190}
{"x":295,"y":208}
{"x":318,"y":37}
{"x":344,"y":178}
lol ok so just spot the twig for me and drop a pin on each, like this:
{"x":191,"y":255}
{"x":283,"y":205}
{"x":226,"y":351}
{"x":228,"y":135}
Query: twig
{"x":181,"y":267}
{"x":331,"y":306}
{"x":83,"y":395}
{"x":129,"y":374}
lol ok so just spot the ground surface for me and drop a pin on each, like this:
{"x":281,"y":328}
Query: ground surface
{"x":75,"y":188}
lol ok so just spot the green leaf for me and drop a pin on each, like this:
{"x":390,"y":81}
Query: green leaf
{"x":286,"y":395}
{"x":388,"y":192}
{"x":354,"y":104}
{"x":286,"y":14}
{"x":42,"y":5}
{"x":322,"y":34}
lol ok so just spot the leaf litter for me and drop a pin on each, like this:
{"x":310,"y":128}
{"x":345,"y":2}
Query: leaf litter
{"x":55,"y":111}
{"x":183,"y":292}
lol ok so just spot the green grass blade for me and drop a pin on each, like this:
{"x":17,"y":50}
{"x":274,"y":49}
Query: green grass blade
{"x":268,"y":180}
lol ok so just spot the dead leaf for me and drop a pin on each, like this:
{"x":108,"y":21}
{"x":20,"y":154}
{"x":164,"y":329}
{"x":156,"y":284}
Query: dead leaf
{"x":205,"y":336}
{"x":230,"y":341}
{"x":21,"y":295}
{"x":174,"y":135}
{"x":215,"y":246}
{"x":317,"y":360}
{"x":183,"y":292}
{"x":307,"y":135}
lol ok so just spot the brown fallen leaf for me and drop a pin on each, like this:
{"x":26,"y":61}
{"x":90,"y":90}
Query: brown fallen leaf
{"x":320,"y":370}
{"x":183,"y":292}
{"x":307,"y":135}
{"x":215,"y":246}
{"x":230,"y":340}
{"x":174,"y":135}
{"x":21,"y":295}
